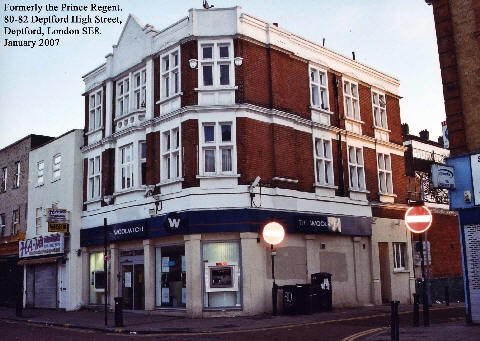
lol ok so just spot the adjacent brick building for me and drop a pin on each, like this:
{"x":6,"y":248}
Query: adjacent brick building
{"x":13,"y":210}
{"x":181,"y":124}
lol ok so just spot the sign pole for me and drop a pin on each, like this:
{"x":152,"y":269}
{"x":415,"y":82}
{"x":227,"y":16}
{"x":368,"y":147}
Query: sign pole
{"x":426,"y":315}
{"x":105,"y":267}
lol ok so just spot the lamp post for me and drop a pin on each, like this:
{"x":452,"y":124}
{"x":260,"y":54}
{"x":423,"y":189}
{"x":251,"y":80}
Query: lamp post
{"x":273,"y":233}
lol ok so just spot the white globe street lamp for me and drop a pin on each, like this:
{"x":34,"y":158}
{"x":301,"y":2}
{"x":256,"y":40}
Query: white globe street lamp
{"x":273,"y":233}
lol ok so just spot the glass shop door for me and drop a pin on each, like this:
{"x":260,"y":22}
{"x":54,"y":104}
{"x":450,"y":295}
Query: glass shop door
{"x":133,"y":286}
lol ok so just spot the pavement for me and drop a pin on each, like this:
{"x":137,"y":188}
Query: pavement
{"x":155,"y":322}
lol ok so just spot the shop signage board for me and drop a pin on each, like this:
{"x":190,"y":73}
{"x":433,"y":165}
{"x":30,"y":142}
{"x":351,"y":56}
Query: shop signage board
{"x":443,"y":176}
{"x":472,"y":253}
{"x":475,"y":164}
{"x":41,"y":245}
{"x":318,"y":224}
{"x":128,"y":231}
{"x":58,"y":227}
{"x":174,"y":223}
{"x":55,"y":215}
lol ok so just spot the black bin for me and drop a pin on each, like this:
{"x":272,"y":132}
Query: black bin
{"x":321,"y":291}
{"x":118,"y":311}
{"x":297,"y":299}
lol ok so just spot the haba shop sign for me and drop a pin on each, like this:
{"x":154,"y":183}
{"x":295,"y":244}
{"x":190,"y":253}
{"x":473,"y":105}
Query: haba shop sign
{"x":57,"y":220}
{"x":41,"y":245}
{"x":132,"y":230}
{"x":174,"y":223}
{"x":318,"y":224}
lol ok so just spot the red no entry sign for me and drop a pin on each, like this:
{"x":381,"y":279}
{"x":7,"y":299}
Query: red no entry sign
{"x":418,"y":219}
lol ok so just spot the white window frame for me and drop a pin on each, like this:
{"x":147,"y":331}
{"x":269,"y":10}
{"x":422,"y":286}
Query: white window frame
{"x":38,"y":220}
{"x":40,"y":173}
{"x":16,"y":176}
{"x":95,"y":110}
{"x":170,"y":80}
{"x":322,"y":151}
{"x":94,"y":177}
{"x":56,"y":167}
{"x":15,"y":222}
{"x":379,"y":110}
{"x":218,"y":146}
{"x":140,"y":89}
{"x":356,"y":170}
{"x":171,"y":156}
{"x":3,"y":185}
{"x":122,"y":97}
{"x":216,"y":62}
{"x":399,"y":249}
{"x":350,"y":97}
{"x":319,"y":88}
{"x":3,"y":223}
{"x":142,"y":161}
{"x":126,"y":166}
{"x":384,"y":167}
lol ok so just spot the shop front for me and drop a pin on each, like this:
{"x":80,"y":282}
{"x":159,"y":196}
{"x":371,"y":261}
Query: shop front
{"x":11,"y":274}
{"x":46,"y":276}
{"x":210,"y":263}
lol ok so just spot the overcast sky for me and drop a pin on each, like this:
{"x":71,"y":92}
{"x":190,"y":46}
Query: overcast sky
{"x":41,"y":87}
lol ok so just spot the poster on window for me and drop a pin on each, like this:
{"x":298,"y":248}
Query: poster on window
{"x":184,"y":264}
{"x":165,"y":295}
{"x":165,"y":264}
{"x":128,"y":279}
{"x":184,"y":295}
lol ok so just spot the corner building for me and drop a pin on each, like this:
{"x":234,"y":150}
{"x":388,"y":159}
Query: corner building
{"x":179,"y":124}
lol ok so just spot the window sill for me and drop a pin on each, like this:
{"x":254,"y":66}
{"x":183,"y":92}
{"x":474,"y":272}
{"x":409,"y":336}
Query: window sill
{"x":213,"y":176}
{"x":216,"y":88}
{"x":320,"y":185}
{"x":163,"y":100}
{"x":320,"y":109}
{"x":400,"y":271}
{"x":90,"y":132}
{"x":170,"y":181}
{"x":55,"y":180}
{"x":382,"y":129}
{"x":123,"y":116}
{"x":358,"y":190}
{"x":223,"y":309}
{"x":387,"y":194}
{"x":92,"y":201}
{"x":129,"y":190}
{"x":37,"y":186}
{"x":353,"y":120}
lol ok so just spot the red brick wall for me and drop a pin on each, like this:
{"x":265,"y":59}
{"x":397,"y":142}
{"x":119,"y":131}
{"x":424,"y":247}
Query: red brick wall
{"x":444,"y":241}
{"x":156,"y":85}
{"x":393,"y":119}
{"x":340,"y":167}
{"x":366,"y":115}
{"x":371,"y":173}
{"x":189,"y":138}
{"x":290,"y":83}
{"x":252,"y":78}
{"x":153,"y":158}
{"x":400,"y":180}
{"x":382,"y":212}
{"x":189,"y":77}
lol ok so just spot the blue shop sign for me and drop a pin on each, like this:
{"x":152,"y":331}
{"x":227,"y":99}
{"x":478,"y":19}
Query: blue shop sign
{"x":127,"y":231}
{"x":175,"y":223}
{"x":317,"y":224}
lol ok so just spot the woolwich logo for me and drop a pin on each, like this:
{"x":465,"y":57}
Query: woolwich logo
{"x":174,"y":222}
{"x":128,"y":231}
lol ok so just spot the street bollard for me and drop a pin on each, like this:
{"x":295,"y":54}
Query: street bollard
{"x":397,"y":322}
{"x":447,"y":296}
{"x":416,"y":310}
{"x":394,"y":321}
{"x":118,"y":311}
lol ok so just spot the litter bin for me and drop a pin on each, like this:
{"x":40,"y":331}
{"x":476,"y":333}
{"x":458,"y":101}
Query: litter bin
{"x":118,"y":311}
{"x":297,"y":299}
{"x":322,"y":291}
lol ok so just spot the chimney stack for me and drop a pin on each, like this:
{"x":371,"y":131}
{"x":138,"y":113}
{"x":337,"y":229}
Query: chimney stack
{"x":424,"y":134}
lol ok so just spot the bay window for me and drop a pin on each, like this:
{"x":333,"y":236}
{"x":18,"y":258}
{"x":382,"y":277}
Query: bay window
{"x":126,"y":167}
{"x":123,"y":94}
{"x":384,"y":166}
{"x":170,"y":77}
{"x":323,"y":162}
{"x":351,"y":100}
{"x":140,"y":88}
{"x":217,"y":148}
{"x":94,"y":177}
{"x":171,"y":154}
{"x":216,"y":64}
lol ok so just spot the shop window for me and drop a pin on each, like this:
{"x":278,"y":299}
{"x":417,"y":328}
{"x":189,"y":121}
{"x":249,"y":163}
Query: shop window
{"x":170,"y":277}
{"x":399,"y":252}
{"x":222,"y":275}
{"x":97,"y":278}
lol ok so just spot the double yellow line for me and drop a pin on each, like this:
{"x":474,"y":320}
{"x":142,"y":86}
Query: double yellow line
{"x":364,"y":333}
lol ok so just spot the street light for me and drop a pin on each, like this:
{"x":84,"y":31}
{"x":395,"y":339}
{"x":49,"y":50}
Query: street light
{"x":273,"y":233}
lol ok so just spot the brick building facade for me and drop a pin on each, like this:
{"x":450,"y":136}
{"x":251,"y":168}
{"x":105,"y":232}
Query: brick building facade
{"x":13,"y":210}
{"x":179,"y":125}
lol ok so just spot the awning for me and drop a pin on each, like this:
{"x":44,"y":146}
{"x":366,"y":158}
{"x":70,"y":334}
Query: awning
{"x":39,"y":260}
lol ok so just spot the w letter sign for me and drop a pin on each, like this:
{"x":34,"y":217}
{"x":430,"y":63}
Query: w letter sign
{"x":418,"y":219}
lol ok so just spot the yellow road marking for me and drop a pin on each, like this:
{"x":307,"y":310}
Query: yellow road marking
{"x":363,"y":333}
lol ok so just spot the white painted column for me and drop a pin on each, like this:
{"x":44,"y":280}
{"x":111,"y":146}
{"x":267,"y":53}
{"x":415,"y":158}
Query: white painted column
{"x":108,"y":109}
{"x":376,"y":285}
{"x":313,"y":255}
{"x":358,"y":267}
{"x":149,"y":266}
{"x":114,"y":271}
{"x":149,"y":100}
{"x":86,"y":276}
{"x":194,"y":275}
{"x":253,"y":273}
